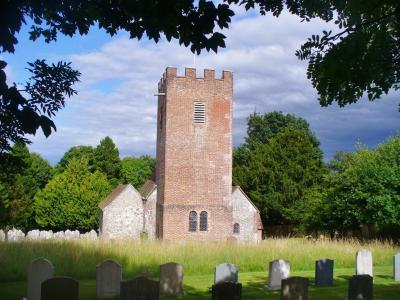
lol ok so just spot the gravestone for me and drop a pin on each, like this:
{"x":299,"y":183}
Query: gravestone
{"x":2,"y":235}
{"x":278,"y":269}
{"x":360,"y":287}
{"x":364,"y":262}
{"x":227,"y":291}
{"x":294,"y":288}
{"x":108,"y":279}
{"x":59,"y":235}
{"x":140,"y":288}
{"x":396,"y":267}
{"x":46,"y":234}
{"x":226,"y":273}
{"x":15,"y":235}
{"x":33,"y":235}
{"x":324,"y":272}
{"x":60,"y":288}
{"x":171,"y":279}
{"x":39,"y":270}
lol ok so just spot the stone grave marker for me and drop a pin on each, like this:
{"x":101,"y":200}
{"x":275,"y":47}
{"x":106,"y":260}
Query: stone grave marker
{"x":294,"y":288}
{"x":60,"y":288}
{"x":360,"y":287}
{"x":2,"y":235}
{"x":364,"y":262}
{"x":33,"y":235}
{"x":171,"y":279}
{"x":39,"y":270}
{"x":324,"y":272}
{"x":278,"y":269}
{"x":396,"y":267}
{"x":227,"y":291}
{"x":15,"y":235}
{"x":108,"y":279}
{"x":226,"y":273}
{"x":140,"y":288}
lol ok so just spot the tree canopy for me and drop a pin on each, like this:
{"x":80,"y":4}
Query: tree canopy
{"x":136,"y":170}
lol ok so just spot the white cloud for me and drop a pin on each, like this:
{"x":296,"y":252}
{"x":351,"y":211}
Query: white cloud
{"x":116,"y":93}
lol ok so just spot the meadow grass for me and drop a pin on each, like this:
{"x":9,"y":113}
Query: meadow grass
{"x":79,"y":258}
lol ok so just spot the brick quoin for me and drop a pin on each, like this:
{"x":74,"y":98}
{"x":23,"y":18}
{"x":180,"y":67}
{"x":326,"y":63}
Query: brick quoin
{"x":194,"y":161}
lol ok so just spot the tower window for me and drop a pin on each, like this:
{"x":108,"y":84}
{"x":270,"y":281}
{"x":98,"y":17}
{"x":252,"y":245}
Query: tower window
{"x":236,"y":228}
{"x":199,"y":112}
{"x":192,"y":221}
{"x":203,"y":221}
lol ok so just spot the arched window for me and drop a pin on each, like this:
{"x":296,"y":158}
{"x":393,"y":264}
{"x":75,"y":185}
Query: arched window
{"x":203,"y":221}
{"x":236,"y":228}
{"x":192,"y":221}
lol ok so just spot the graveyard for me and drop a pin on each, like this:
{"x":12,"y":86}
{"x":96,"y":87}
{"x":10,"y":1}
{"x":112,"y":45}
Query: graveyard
{"x":79,"y":259}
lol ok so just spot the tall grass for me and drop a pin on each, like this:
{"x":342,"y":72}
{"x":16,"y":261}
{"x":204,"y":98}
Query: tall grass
{"x":79,"y":258}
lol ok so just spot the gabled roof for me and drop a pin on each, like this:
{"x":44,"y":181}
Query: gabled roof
{"x":148,"y":187}
{"x":114,"y":194}
{"x":258,"y":221}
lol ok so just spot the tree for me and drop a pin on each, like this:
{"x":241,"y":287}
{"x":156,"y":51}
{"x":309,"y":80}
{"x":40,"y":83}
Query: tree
{"x":70,"y":200}
{"x":281,"y":173}
{"x":137,"y":170}
{"x":106,"y":159}
{"x":365,"y":190}
{"x":22,"y":175}
{"x":76,"y":152}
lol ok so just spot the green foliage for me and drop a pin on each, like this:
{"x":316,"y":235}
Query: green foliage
{"x":365,"y":189}
{"x":70,"y":200}
{"x":22,"y":174}
{"x":47,"y":88}
{"x":280,"y":168}
{"x":106,"y":159}
{"x":76,"y":152}
{"x":136,"y":170}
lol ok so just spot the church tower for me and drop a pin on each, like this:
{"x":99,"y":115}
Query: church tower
{"x":194,"y":156}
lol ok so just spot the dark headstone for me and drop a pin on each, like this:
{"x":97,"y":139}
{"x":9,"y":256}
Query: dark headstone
{"x":294,"y":288}
{"x":324,"y":272}
{"x":360,"y":287}
{"x":60,"y":288}
{"x":227,"y":291}
{"x":108,"y":279}
{"x":140,"y":288}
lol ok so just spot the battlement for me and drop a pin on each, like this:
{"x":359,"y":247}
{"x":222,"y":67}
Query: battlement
{"x":190,"y":73}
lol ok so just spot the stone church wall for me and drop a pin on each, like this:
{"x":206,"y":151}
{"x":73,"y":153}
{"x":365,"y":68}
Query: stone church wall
{"x":123,"y":217}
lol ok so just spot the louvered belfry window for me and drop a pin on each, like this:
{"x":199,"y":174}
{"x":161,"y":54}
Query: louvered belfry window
{"x":199,"y":112}
{"x":203,"y":221}
{"x":192,"y":221}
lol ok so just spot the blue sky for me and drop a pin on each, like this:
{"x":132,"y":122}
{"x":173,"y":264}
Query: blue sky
{"x":119,"y":79}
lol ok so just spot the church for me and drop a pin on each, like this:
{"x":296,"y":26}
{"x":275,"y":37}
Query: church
{"x":191,"y":196}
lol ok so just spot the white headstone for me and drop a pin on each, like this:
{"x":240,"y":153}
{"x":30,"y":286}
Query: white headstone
{"x":396,"y":267}
{"x":108,"y":279}
{"x":278,"y":269}
{"x":171,"y":279}
{"x":226,"y":273}
{"x":364,"y":262}
{"x":46,"y":235}
{"x":59,"y":235}
{"x":2,"y":235}
{"x":39,"y":270}
{"x":33,"y":235}
{"x":15,"y":235}
{"x":69,"y":235}
{"x":91,"y":235}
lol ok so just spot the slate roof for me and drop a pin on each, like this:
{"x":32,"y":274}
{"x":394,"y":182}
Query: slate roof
{"x":114,"y":194}
{"x":148,"y":187}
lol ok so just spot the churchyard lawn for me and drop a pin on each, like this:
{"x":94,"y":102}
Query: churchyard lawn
{"x":78,"y":259}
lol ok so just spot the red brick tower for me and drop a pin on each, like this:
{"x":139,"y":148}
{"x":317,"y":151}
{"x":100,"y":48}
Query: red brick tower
{"x":194,"y":156}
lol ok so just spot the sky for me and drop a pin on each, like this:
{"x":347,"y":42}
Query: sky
{"x":119,"y":79}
